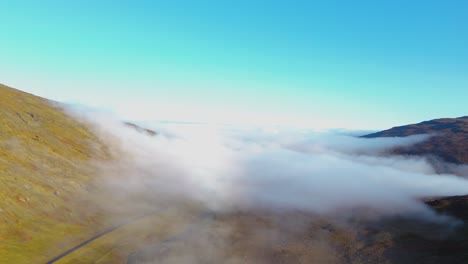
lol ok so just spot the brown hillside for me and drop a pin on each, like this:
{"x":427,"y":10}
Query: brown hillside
{"x":450,"y":141}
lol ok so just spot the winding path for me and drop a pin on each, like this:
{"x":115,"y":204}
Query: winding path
{"x":107,"y":231}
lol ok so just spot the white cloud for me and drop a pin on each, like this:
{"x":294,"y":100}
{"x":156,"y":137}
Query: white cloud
{"x":229,"y":166}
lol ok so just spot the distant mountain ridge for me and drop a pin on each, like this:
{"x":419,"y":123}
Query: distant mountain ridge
{"x":450,"y":140}
{"x":146,"y":131}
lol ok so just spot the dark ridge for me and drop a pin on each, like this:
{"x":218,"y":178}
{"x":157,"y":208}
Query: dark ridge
{"x":450,"y":141}
{"x":149,"y":132}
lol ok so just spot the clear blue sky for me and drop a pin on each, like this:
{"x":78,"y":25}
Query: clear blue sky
{"x":352,"y":64}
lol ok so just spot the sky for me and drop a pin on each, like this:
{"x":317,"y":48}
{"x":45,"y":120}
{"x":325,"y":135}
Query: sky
{"x":323,"y":64}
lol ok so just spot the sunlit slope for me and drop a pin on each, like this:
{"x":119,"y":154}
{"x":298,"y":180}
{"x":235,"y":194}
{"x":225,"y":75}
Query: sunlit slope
{"x":45,"y":159}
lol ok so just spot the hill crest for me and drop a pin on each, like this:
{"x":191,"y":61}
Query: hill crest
{"x":450,"y":141}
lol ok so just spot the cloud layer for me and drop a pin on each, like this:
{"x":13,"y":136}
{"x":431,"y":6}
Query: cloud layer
{"x":225,"y":167}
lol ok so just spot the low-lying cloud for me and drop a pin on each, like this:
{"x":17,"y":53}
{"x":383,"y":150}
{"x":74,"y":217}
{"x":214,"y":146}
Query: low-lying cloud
{"x":268,"y":187}
{"x":227,"y":167}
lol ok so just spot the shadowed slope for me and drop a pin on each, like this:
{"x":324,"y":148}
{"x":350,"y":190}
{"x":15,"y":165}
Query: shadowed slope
{"x":449,"y":143}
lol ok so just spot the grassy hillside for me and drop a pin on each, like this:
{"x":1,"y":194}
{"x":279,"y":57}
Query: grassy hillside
{"x":50,"y":196}
{"x":44,"y":167}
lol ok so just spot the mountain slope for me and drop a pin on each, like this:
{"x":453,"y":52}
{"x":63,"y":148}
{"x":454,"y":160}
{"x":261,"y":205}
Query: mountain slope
{"x":52,"y":196}
{"x":450,"y":140}
{"x":414,"y":242}
{"x":44,"y":166}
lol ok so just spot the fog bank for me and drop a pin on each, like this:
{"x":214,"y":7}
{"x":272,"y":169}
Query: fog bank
{"x":226,"y":167}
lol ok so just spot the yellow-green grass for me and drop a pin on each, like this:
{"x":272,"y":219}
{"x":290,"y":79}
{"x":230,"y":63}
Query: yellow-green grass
{"x":49,"y":201}
{"x":115,"y":247}
{"x":45,"y":171}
